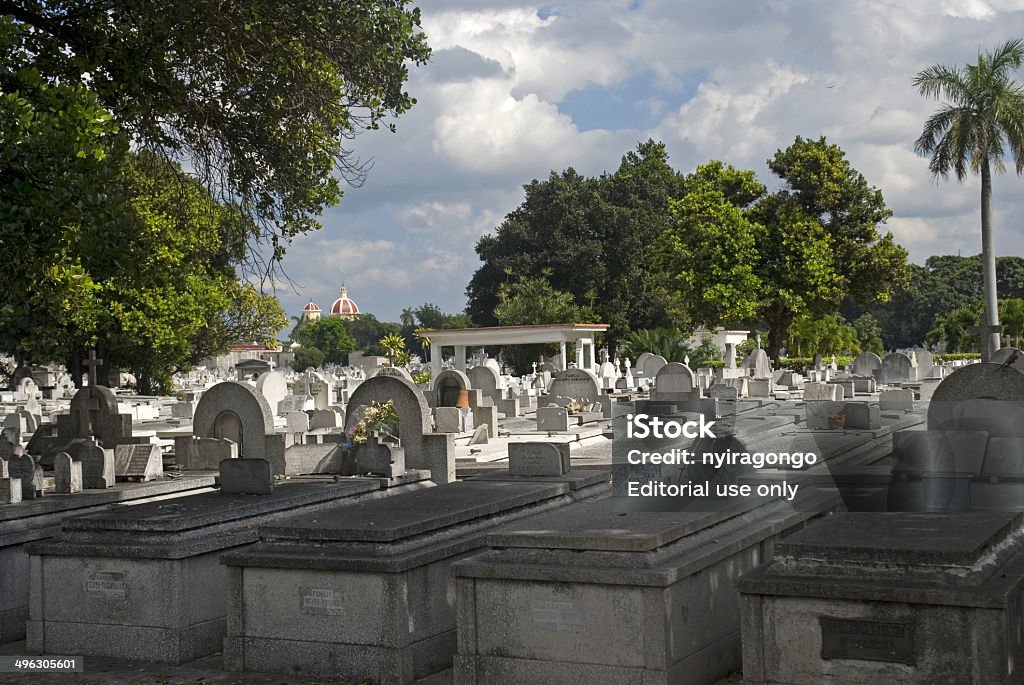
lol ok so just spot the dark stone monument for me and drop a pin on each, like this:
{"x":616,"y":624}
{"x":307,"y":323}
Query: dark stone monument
{"x":246,"y":477}
{"x":888,"y":598}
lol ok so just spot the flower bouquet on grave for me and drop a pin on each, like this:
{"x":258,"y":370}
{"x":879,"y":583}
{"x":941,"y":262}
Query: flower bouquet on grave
{"x":377,"y":418}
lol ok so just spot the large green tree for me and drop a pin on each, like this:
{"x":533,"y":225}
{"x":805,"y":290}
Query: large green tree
{"x":591,"y":237}
{"x":740,"y":256}
{"x":331,"y":337}
{"x":533,"y":301}
{"x":258,"y":99}
{"x":117,"y":250}
{"x":823,"y":228}
{"x":980,"y":124}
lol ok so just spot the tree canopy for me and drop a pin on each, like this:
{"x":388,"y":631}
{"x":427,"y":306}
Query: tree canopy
{"x":591,"y":237}
{"x":257,"y":99}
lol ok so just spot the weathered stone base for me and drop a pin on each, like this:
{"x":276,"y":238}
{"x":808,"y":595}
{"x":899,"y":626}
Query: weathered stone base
{"x":391,"y":627}
{"x":165,"y":645}
{"x":166,"y":610}
{"x":783,"y":643}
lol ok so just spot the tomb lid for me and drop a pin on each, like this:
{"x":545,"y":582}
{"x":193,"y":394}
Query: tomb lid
{"x":22,"y":517}
{"x":414,"y":513}
{"x":576,"y":479}
{"x":213,"y":508}
{"x":599,"y":526}
{"x":883,"y":538}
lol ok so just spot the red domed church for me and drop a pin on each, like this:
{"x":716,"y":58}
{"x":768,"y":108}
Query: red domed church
{"x":343,"y":308}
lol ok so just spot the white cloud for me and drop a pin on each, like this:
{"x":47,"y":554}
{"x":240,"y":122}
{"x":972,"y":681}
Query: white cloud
{"x":491,"y":117}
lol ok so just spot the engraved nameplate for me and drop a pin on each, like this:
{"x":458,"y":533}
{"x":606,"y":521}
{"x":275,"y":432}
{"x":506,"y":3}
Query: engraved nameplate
{"x":558,"y":616}
{"x":843,"y":638}
{"x":321,"y":601}
{"x":105,"y":585}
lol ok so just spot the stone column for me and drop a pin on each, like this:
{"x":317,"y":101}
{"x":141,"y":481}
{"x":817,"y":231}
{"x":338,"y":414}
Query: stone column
{"x":561,"y":349}
{"x":435,"y":362}
{"x":460,"y":357}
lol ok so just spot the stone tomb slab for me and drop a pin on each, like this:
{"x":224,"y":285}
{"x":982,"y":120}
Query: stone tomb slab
{"x":538,"y":458}
{"x":590,"y":595}
{"x":367,"y":592}
{"x":138,"y":462}
{"x":888,"y":598}
{"x":41,"y":518}
{"x":144,"y":582}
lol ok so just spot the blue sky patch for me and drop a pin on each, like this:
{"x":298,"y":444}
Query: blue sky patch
{"x":638,"y":102}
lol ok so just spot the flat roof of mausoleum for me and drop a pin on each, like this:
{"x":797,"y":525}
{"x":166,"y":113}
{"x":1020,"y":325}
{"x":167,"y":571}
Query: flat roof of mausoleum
{"x":512,"y":335}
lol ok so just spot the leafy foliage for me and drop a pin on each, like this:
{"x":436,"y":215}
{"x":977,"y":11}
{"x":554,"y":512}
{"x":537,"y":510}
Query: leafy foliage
{"x":667,"y":342}
{"x":982,"y":121}
{"x":825,"y":335}
{"x":533,"y":301}
{"x":307,"y":358}
{"x":257,"y":98}
{"x":590,"y":237}
{"x":331,"y":336}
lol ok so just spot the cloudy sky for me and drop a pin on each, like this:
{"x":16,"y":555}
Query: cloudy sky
{"x":517,"y":89}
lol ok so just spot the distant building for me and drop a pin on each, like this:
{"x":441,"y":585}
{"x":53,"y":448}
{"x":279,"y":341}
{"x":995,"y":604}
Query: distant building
{"x":720,"y":336}
{"x":278,"y":357}
{"x":344,"y":307}
{"x":311,"y":312}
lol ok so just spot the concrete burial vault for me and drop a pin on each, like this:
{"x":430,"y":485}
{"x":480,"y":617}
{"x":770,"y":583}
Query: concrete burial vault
{"x":582,"y":334}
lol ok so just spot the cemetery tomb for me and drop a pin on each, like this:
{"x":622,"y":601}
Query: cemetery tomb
{"x":867,"y":364}
{"x":674,"y":382}
{"x":424,"y":450}
{"x":367,"y":591}
{"x":758,"y":364}
{"x":144,"y":582}
{"x":28,"y":521}
{"x":889,"y":598}
{"x":897,"y":368}
{"x":240,"y":413}
{"x":588,"y":594}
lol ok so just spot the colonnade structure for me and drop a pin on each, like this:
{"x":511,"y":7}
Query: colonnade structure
{"x":580,"y":334}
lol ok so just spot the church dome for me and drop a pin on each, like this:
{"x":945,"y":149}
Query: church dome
{"x":343,"y":306}
{"x":311,"y":307}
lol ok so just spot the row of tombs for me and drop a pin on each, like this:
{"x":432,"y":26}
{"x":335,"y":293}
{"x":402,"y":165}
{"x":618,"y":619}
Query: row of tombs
{"x":535,"y":573}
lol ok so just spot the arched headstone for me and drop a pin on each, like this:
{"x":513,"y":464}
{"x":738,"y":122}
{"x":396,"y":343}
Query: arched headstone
{"x":487,"y":381}
{"x":653,"y":364}
{"x":758,"y":362}
{"x":641,"y":360}
{"x":674,"y":381}
{"x":576,"y":384}
{"x":391,"y":371}
{"x":986,"y":396}
{"x":447,"y":386}
{"x":423,"y":449}
{"x":274,"y":387}
{"x":232,"y":409}
{"x":866,"y":364}
{"x":897,"y":368}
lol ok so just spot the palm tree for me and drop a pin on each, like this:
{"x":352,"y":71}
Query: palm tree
{"x":408,"y":317}
{"x":982,"y":121}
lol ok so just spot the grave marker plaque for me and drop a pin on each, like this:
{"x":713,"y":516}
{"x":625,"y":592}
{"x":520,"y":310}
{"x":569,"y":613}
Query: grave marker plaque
{"x":844,"y":638}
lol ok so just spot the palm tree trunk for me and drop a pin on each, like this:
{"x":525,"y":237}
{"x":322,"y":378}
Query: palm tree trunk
{"x":990,"y":341}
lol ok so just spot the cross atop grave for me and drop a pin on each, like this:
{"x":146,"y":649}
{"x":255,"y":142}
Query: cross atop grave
{"x":92,"y":363}
{"x":984,"y":333}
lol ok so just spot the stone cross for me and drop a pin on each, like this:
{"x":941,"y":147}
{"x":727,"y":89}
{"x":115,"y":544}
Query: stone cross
{"x":757,"y":337}
{"x":92,"y":363}
{"x":984,"y":332}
